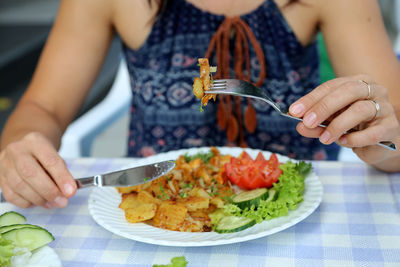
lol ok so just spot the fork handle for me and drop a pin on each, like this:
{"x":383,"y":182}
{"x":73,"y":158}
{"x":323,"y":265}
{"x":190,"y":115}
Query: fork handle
{"x":385,"y":144}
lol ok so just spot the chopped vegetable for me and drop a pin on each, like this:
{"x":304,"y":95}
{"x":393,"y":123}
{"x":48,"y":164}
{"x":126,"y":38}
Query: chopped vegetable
{"x":199,"y":195}
{"x":246,"y":199}
{"x":231,"y":224}
{"x":16,"y":236}
{"x":11,"y":217}
{"x":175,"y":262}
{"x":6,"y":251}
{"x":250,"y":174}
{"x":204,"y":156}
{"x":28,"y":237}
{"x":289,"y":193}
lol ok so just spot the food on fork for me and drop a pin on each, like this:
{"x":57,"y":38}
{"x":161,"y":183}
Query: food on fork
{"x":203,"y":83}
{"x":210,"y":191}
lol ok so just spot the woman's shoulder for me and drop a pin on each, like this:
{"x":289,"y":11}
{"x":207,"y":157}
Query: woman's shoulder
{"x":133,"y":20}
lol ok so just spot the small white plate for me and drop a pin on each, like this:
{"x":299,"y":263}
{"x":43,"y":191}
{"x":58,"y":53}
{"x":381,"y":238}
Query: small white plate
{"x":103,"y":206}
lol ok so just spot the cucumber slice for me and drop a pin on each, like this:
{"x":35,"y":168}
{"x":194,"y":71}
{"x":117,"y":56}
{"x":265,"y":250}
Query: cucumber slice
{"x":7,"y":228}
{"x":30,"y":238}
{"x":246,"y":199}
{"x":272,"y":195}
{"x":217,"y":215}
{"x":11,"y":217}
{"x":231,"y":224}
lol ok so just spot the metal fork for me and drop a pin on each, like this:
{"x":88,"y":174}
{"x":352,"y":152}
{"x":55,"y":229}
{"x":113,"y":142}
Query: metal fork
{"x":246,"y":89}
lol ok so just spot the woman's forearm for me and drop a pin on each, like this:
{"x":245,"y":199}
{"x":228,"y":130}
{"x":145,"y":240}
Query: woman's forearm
{"x":30,"y":117}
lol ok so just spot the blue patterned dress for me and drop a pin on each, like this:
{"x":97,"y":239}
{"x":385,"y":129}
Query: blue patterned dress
{"x":165,"y":114}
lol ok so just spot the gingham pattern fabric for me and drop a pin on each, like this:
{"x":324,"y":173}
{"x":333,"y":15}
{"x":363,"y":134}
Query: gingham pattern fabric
{"x":357,"y":224}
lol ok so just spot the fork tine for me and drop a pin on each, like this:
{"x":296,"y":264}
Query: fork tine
{"x":221,"y":81}
{"x":218,"y":86}
{"x":218,"y":82}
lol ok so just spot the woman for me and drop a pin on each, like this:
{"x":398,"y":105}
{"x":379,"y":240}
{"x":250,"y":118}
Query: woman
{"x":161,"y":49}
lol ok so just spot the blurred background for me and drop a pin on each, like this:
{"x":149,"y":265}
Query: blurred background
{"x":24,"y":27}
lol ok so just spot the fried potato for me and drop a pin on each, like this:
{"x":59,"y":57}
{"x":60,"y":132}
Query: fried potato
{"x":128,"y":201}
{"x":217,"y":201}
{"x":207,"y":98}
{"x":170,"y":215}
{"x":157,"y":187}
{"x":128,"y":189}
{"x":140,"y":213}
{"x":146,"y":197}
{"x":198,"y":90}
{"x":196,"y":163}
{"x":205,"y":73}
{"x":199,"y":192}
{"x":195,"y":203}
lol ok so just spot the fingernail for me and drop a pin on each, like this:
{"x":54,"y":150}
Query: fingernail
{"x":310,"y":118}
{"x":297,"y":108}
{"x":61,"y":201}
{"x":324,"y":138}
{"x":343,"y":140}
{"x":68,"y":189}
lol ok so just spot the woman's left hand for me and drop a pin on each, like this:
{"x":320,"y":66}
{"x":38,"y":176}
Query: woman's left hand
{"x":349,"y":103}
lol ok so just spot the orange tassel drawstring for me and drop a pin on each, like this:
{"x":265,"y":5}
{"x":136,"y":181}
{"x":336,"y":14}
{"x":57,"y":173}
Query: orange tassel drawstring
{"x":232,"y":122}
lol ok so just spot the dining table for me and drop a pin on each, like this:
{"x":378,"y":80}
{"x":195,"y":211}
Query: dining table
{"x":357,"y":223}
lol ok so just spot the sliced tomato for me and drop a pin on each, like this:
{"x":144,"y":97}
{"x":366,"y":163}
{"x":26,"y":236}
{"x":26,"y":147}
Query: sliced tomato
{"x":250,"y":174}
{"x":273,"y":161}
{"x":260,"y":157}
{"x":245,"y":156}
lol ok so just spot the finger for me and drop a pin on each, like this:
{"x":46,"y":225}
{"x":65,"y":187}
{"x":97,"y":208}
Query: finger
{"x":304,"y":103}
{"x":14,"y":197}
{"x":30,"y":172}
{"x":53,"y":164}
{"x":307,"y":132}
{"x":358,"y":112}
{"x":367,"y":137}
{"x":25,"y":190}
{"x":342,"y":97}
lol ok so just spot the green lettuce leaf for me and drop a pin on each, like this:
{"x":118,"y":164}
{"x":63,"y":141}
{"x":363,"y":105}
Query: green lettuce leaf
{"x":175,"y":262}
{"x":289,"y":191}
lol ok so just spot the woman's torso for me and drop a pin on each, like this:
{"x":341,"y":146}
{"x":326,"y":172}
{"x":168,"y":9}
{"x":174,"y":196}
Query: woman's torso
{"x":165,"y":114}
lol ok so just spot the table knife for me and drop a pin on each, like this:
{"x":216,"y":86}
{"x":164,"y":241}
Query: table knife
{"x":127,"y":177}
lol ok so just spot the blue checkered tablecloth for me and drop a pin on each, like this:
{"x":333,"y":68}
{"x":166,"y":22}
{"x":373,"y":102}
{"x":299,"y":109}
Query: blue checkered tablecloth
{"x":357,"y":224}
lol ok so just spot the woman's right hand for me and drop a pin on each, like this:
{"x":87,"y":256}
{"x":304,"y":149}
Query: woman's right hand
{"x":33,"y":174}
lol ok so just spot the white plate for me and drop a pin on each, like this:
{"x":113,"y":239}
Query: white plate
{"x":103,"y":206}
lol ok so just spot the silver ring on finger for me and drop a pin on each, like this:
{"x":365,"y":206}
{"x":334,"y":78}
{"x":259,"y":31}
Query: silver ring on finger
{"x":378,"y":109}
{"x":369,"y":88}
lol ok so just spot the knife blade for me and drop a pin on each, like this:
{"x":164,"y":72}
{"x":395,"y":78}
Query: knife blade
{"x":128,"y":177}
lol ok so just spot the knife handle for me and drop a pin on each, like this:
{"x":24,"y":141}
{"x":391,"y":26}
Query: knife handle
{"x":88,"y":181}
